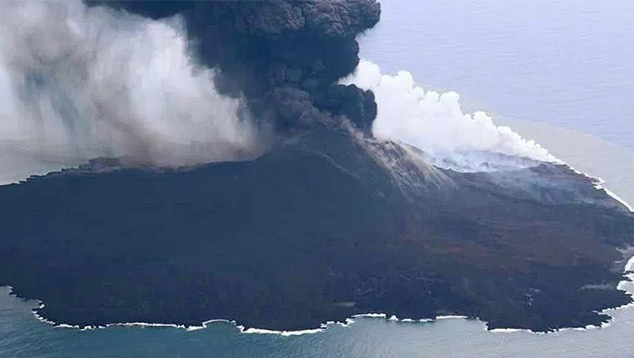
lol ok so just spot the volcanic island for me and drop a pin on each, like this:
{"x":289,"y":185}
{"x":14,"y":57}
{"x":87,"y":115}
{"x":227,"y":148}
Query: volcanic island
{"x":327,"y":224}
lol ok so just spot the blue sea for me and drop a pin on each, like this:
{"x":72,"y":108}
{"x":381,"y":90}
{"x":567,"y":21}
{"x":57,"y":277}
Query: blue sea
{"x":559,"y":72}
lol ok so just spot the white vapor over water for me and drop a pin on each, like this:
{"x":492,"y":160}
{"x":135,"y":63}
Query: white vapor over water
{"x":436,"y":124}
{"x":78,"y":83}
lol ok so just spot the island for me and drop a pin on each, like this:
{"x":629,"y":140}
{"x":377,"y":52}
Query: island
{"x":323,"y":227}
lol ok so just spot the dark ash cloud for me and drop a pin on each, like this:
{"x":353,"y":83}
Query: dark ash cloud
{"x":283,"y":56}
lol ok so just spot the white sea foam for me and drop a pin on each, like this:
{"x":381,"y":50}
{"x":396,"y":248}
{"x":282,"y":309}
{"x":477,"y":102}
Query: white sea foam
{"x":285,"y":333}
{"x":451,"y":317}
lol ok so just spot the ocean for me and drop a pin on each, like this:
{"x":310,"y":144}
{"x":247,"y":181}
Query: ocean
{"x":557,"y":72}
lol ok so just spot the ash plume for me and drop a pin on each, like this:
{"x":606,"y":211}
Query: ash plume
{"x":172,"y":83}
{"x":283,"y":56}
{"x":77,"y":83}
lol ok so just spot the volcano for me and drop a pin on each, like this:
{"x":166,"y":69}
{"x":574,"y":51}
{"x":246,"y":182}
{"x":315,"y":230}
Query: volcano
{"x":330,"y":224}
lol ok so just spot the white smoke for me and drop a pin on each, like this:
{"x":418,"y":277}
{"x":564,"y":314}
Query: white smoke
{"x":78,"y":83}
{"x":436,"y":124}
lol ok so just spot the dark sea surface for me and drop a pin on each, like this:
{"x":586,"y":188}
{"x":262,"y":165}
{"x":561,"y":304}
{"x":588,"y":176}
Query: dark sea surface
{"x":564,"y":67}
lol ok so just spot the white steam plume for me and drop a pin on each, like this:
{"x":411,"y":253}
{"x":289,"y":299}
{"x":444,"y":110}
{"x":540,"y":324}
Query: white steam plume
{"x":78,"y":83}
{"x":436,"y":124}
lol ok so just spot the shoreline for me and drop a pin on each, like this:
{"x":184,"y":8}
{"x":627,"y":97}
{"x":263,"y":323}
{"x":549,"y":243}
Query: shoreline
{"x":626,"y":264}
{"x":629,"y":266}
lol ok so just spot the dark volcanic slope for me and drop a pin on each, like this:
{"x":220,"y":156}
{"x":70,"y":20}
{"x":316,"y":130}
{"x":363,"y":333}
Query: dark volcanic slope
{"x":313,"y":231}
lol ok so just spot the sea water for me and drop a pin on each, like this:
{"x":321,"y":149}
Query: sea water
{"x":563,"y":67}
